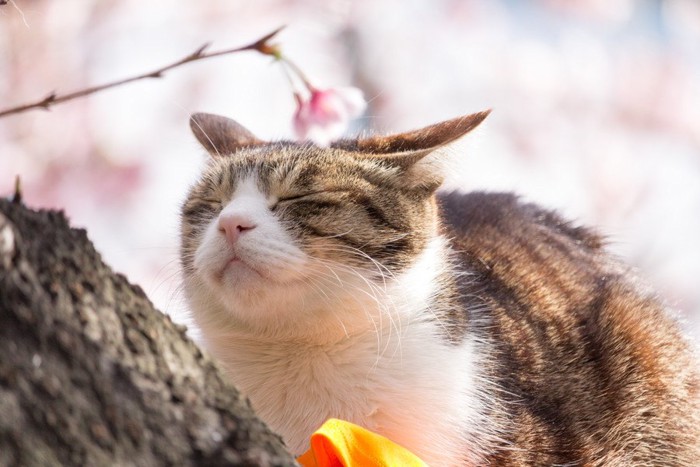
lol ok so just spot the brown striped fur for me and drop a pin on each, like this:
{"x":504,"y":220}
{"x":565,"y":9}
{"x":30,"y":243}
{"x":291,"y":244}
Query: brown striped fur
{"x":593,"y":370}
{"x":585,"y":367}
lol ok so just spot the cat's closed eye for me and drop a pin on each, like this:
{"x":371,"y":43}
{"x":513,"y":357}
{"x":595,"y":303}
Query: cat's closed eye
{"x":212,"y":201}
{"x":320,"y":196}
{"x":203,"y":206}
{"x":212,"y":204}
{"x":287,"y":200}
{"x":297,"y":197}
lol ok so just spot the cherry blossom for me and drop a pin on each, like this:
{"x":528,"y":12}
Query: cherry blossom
{"x":325,"y":115}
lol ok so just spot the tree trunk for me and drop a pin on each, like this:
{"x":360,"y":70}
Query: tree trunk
{"x":91,"y":374}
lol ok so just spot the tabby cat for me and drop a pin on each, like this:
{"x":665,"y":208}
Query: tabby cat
{"x":473,"y":329}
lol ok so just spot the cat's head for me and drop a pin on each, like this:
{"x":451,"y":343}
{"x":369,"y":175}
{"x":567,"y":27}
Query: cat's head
{"x":279,"y":226}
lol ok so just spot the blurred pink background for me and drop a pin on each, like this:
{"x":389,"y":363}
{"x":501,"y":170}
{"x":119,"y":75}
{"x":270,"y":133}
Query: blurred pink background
{"x":596,"y":110}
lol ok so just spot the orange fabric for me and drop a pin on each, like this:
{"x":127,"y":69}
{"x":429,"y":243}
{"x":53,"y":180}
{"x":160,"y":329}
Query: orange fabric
{"x":342,"y":444}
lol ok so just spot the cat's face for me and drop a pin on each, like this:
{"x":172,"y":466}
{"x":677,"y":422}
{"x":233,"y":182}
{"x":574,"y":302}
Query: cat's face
{"x":270,"y":227}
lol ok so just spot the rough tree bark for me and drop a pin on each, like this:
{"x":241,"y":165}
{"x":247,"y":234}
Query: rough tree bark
{"x":91,"y":374}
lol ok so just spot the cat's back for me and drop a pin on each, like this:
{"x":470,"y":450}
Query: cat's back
{"x":590,"y":368}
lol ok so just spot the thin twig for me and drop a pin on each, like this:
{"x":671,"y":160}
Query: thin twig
{"x":17,"y":197}
{"x":261,"y":45}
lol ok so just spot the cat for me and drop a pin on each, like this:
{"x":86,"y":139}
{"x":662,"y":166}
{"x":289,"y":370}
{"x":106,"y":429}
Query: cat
{"x":470,"y":328}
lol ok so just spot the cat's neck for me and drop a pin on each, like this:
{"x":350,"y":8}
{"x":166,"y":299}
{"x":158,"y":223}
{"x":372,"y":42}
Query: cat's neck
{"x":352,"y":372}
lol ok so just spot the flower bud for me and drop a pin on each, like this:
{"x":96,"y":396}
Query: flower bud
{"x":327,"y":113}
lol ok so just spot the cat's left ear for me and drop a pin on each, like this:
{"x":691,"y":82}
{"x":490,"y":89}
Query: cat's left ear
{"x":407,"y":151}
{"x":221,"y":136}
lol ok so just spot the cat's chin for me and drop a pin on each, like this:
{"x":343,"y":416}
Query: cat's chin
{"x":240,"y":277}
{"x":236,"y":270}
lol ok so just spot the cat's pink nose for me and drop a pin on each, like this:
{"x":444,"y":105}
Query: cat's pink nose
{"x":233,"y":225}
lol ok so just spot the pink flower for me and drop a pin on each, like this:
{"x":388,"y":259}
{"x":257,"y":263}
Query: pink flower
{"x":326,"y":114}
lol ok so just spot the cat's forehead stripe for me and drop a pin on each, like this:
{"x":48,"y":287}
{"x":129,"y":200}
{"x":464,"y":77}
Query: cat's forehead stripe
{"x":247,"y":186}
{"x":301,"y":168}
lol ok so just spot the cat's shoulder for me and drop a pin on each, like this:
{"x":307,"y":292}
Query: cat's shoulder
{"x":505,"y":217}
{"x":493,"y":225}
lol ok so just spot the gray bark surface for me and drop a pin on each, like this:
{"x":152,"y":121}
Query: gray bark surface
{"x":91,"y":374}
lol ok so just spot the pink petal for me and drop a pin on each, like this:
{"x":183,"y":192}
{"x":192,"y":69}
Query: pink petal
{"x":325,"y":116}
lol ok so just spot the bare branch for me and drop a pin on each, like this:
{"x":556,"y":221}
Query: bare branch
{"x":261,"y":45}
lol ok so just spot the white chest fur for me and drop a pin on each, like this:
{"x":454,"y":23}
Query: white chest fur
{"x":401,"y":378}
{"x":418,"y":391}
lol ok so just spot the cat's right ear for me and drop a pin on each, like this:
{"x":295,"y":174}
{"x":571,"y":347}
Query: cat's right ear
{"x":221,"y":136}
